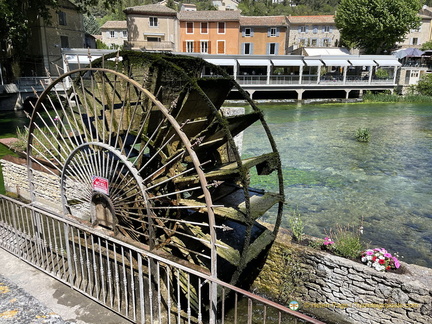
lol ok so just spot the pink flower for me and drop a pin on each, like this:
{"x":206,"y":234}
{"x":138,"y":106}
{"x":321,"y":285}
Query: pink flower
{"x":387,"y":255}
{"x":327,"y":241}
{"x":369,"y":252}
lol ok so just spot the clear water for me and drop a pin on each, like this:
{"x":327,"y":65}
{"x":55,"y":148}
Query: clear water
{"x":334,"y":180}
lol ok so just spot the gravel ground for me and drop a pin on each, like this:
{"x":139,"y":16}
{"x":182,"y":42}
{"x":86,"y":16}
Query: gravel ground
{"x":19,"y":307}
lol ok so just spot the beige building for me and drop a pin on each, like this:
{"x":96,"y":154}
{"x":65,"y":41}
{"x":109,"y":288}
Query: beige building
{"x":114,"y":33}
{"x":152,"y":28}
{"x":263,"y":35}
{"x":65,"y":31}
{"x":312,"y":31}
{"x":417,"y":37}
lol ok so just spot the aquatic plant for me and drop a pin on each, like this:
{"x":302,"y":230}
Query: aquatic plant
{"x":362,"y":135}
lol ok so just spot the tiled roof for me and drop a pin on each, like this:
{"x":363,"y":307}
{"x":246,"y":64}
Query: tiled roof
{"x":209,"y":15}
{"x":263,"y":21}
{"x":113,"y":24}
{"x":151,"y":9}
{"x":325,"y":19}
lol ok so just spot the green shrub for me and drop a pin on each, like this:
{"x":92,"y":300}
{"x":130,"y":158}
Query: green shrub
{"x":347,"y":242}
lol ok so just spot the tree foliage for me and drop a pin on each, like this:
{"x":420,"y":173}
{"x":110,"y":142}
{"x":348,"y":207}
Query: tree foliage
{"x":376,"y":25}
{"x":424,"y":85}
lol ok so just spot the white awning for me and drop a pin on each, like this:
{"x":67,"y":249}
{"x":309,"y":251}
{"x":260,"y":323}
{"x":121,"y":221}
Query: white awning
{"x":245,"y":62}
{"x":288,"y":62}
{"x":363,"y":62}
{"x":388,"y":62}
{"x":336,"y":62}
{"x":222,"y":62}
{"x":154,"y":34}
{"x":313,"y":62}
{"x":80,"y":59}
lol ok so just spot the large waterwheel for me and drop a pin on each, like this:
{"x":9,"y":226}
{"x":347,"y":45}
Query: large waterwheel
{"x":142,"y":149}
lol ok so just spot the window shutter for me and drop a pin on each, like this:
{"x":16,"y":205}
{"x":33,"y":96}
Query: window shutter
{"x":209,"y":47}
{"x":243,"y":48}
{"x":277,"y":31}
{"x":268,"y":49}
{"x":252,"y":32}
{"x":197,"y":47}
{"x":269,"y":32}
{"x":306,"y":29}
{"x":331,"y":29}
{"x":184,"y":47}
{"x":251,"y":48}
{"x":299,"y":29}
{"x":243,"y":32}
{"x":277,"y":49}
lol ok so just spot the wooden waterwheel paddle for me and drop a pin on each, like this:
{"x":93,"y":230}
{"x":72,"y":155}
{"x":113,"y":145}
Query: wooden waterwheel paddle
{"x":141,"y":148}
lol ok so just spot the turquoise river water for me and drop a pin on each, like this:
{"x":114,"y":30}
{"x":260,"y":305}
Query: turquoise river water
{"x":333,"y":180}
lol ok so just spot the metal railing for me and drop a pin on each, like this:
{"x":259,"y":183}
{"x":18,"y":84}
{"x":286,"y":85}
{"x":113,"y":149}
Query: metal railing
{"x":141,"y":286}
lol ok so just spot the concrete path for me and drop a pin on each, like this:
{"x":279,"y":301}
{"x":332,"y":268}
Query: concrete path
{"x":29,"y":296}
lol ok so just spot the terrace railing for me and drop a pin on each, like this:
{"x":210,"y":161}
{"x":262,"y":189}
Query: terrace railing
{"x":141,"y":286}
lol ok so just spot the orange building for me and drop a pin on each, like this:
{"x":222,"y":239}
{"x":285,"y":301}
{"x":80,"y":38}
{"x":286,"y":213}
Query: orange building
{"x":263,"y":35}
{"x":211,"y":32}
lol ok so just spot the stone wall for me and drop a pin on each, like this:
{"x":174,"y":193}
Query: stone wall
{"x":344,"y":291}
{"x":46,"y":186}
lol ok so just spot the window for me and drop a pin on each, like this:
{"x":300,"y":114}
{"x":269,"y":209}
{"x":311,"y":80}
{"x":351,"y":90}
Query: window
{"x":302,"y":42}
{"x":272,"y":48}
{"x":204,"y":28}
{"x":64,"y":42}
{"x":221,"y":28}
{"x":247,"y":32}
{"x":189,"y":28}
{"x":153,"y":21}
{"x":221,"y":47}
{"x":125,"y":34}
{"x":303,"y":29}
{"x":112,"y":34}
{"x":273,"y":32}
{"x":204,"y":45}
{"x":247,"y":48}
{"x":189,"y":46}
{"x":62,"y":18}
{"x":314,"y":42}
{"x":326,"y":29}
{"x":415,"y":41}
{"x":326,"y":42}
{"x":153,"y":39}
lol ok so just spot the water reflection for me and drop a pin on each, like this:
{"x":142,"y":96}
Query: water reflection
{"x":333,"y":179}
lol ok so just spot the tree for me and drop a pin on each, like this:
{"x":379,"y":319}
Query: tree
{"x":17,"y":17}
{"x":426,"y":46}
{"x":376,"y":25}
{"x":424,"y":85}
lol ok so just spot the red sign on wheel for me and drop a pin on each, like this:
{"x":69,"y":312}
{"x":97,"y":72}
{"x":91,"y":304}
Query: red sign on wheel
{"x":100,"y":184}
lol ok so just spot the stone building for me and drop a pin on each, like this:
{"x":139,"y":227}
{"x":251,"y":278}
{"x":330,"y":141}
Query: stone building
{"x":66,"y":30}
{"x":211,"y":32}
{"x":152,"y":27}
{"x":417,"y":37}
{"x":114,"y":33}
{"x":263,"y":35}
{"x":312,"y":31}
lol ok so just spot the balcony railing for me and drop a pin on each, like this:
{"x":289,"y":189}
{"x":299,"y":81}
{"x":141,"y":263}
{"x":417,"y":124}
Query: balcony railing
{"x":152,"y":46}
